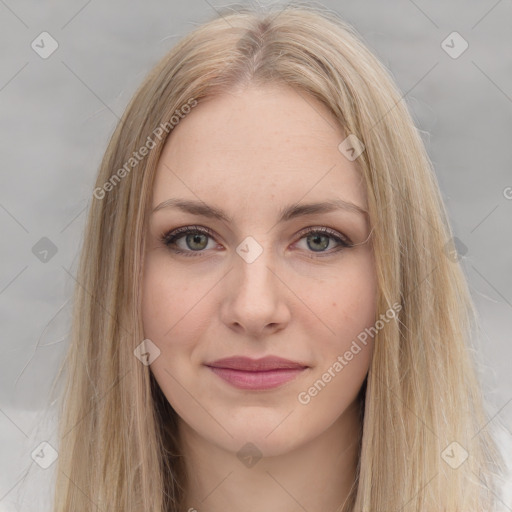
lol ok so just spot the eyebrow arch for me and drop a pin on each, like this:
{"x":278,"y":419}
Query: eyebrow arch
{"x":287,"y":213}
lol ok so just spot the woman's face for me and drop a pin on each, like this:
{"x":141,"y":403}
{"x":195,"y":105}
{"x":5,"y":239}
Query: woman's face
{"x":255,"y":284}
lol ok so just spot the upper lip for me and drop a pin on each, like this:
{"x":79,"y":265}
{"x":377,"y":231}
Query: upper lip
{"x":254,"y":365}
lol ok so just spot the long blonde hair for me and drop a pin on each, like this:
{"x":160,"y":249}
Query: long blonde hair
{"x":119,"y":448}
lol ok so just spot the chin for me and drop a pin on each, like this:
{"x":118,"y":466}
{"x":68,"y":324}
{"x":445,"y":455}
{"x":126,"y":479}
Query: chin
{"x":272,"y":437}
{"x":259,"y":444}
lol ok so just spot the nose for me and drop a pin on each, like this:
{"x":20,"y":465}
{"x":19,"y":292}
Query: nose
{"x":255,"y":297}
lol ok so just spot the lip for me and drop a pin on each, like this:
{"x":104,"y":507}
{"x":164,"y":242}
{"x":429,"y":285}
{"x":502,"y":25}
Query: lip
{"x":255,"y":365}
{"x":256,"y":374}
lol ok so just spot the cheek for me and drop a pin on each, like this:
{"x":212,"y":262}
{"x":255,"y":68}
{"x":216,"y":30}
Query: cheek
{"x":157,"y":302}
{"x":170,"y":299}
{"x":344,"y":349}
{"x":171,"y":308}
{"x":345,"y":305}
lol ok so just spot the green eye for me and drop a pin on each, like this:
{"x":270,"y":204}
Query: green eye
{"x":196,"y":240}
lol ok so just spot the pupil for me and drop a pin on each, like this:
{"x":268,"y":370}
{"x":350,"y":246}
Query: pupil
{"x":316,"y":237}
{"x":195,"y":238}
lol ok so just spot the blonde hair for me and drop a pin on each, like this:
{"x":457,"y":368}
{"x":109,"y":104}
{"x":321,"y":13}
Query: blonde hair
{"x":119,"y":448}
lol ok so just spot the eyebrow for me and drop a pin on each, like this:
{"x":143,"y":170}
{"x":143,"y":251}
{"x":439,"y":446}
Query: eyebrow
{"x":290,"y":212}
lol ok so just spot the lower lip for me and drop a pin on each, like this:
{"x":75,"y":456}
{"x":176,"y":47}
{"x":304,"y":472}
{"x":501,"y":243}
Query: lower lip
{"x":257,"y":380}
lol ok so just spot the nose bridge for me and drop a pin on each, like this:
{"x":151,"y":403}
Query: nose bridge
{"x":252,"y":269}
{"x":252,"y":297}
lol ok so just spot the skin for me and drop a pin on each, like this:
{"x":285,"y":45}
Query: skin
{"x":253,"y":152}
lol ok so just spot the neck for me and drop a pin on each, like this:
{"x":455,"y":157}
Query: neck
{"x":315,"y":476}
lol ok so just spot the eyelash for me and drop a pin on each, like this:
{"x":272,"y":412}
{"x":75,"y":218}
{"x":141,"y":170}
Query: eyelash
{"x":169,"y":239}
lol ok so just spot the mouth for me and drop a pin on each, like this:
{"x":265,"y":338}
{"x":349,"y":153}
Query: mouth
{"x":256,"y":374}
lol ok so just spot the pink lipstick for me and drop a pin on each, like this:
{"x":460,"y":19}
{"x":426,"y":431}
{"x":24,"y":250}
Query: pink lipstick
{"x":256,"y":374}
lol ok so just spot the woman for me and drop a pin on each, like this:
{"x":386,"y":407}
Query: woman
{"x":268,"y":315}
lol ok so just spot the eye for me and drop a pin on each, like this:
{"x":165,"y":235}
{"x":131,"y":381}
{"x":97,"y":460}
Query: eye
{"x":196,"y":240}
{"x":319,"y":239}
{"x":195,"y":236}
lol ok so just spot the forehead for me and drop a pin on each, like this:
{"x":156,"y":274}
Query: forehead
{"x":262,"y":143}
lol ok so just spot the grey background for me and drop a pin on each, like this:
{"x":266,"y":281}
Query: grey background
{"x":57,"y":115}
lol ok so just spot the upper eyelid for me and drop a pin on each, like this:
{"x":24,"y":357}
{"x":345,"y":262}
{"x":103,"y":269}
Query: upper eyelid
{"x":325,"y":230}
{"x":183,"y":230}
